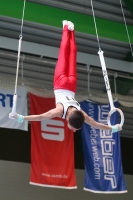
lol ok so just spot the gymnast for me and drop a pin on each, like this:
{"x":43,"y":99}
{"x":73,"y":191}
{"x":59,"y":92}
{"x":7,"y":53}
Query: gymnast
{"x":65,"y":81}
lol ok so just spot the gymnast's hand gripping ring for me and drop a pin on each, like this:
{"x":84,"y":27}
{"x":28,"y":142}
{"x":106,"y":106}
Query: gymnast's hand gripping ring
{"x":105,"y":75}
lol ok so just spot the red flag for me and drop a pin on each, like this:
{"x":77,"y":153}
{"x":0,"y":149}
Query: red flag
{"x":52,"y":148}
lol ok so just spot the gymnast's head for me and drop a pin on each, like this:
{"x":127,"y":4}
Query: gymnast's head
{"x":75,"y":120}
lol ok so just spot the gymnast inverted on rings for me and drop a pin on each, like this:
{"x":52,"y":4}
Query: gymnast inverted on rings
{"x":65,"y":81}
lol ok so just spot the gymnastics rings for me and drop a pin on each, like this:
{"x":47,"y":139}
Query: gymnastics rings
{"x":17,"y":70}
{"x":105,"y":75}
{"x":121,"y":114}
{"x":107,"y":84}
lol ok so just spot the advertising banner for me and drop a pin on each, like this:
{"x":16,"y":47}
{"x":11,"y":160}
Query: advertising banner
{"x":6,"y":101}
{"x":102,"y":152}
{"x":52,"y":148}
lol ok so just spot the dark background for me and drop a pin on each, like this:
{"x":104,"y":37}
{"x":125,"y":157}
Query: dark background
{"x":15,"y":146}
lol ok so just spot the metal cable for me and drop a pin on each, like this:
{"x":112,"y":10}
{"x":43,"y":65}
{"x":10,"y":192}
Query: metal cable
{"x":126,"y":28}
{"x":95,"y":25}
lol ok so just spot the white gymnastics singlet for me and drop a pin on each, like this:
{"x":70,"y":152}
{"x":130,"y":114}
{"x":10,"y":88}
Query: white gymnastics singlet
{"x":66,"y":98}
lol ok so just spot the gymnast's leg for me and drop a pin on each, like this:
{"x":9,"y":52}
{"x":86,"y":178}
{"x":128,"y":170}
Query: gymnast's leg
{"x":72,"y":73}
{"x":61,"y":70}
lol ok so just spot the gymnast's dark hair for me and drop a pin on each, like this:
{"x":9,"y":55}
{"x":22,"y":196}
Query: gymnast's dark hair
{"x":76,"y":119}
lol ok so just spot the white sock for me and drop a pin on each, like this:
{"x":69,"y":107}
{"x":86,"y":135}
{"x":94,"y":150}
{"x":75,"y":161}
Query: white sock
{"x":70,"y":26}
{"x":64,"y":22}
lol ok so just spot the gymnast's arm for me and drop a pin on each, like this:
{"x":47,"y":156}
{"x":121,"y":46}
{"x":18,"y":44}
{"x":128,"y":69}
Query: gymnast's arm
{"x":47,"y":115}
{"x":56,"y":112}
{"x":97,"y":125}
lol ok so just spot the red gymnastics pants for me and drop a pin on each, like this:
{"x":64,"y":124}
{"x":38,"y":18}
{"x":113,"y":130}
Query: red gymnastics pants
{"x":65,"y":76}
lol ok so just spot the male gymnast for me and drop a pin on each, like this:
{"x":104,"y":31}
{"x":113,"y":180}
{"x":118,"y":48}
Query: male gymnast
{"x":65,"y":81}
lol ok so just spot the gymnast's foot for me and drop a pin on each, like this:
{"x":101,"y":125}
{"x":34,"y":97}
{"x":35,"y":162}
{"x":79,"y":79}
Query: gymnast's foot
{"x":64,"y":22}
{"x":70,"y":26}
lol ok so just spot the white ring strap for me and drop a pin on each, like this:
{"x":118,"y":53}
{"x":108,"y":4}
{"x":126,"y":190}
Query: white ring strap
{"x":107,"y":84}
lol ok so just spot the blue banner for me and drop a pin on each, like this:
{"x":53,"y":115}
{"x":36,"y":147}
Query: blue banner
{"x":102,"y":152}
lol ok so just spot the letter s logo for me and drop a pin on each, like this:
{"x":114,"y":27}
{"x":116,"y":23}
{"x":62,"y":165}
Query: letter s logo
{"x":52,"y":126}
